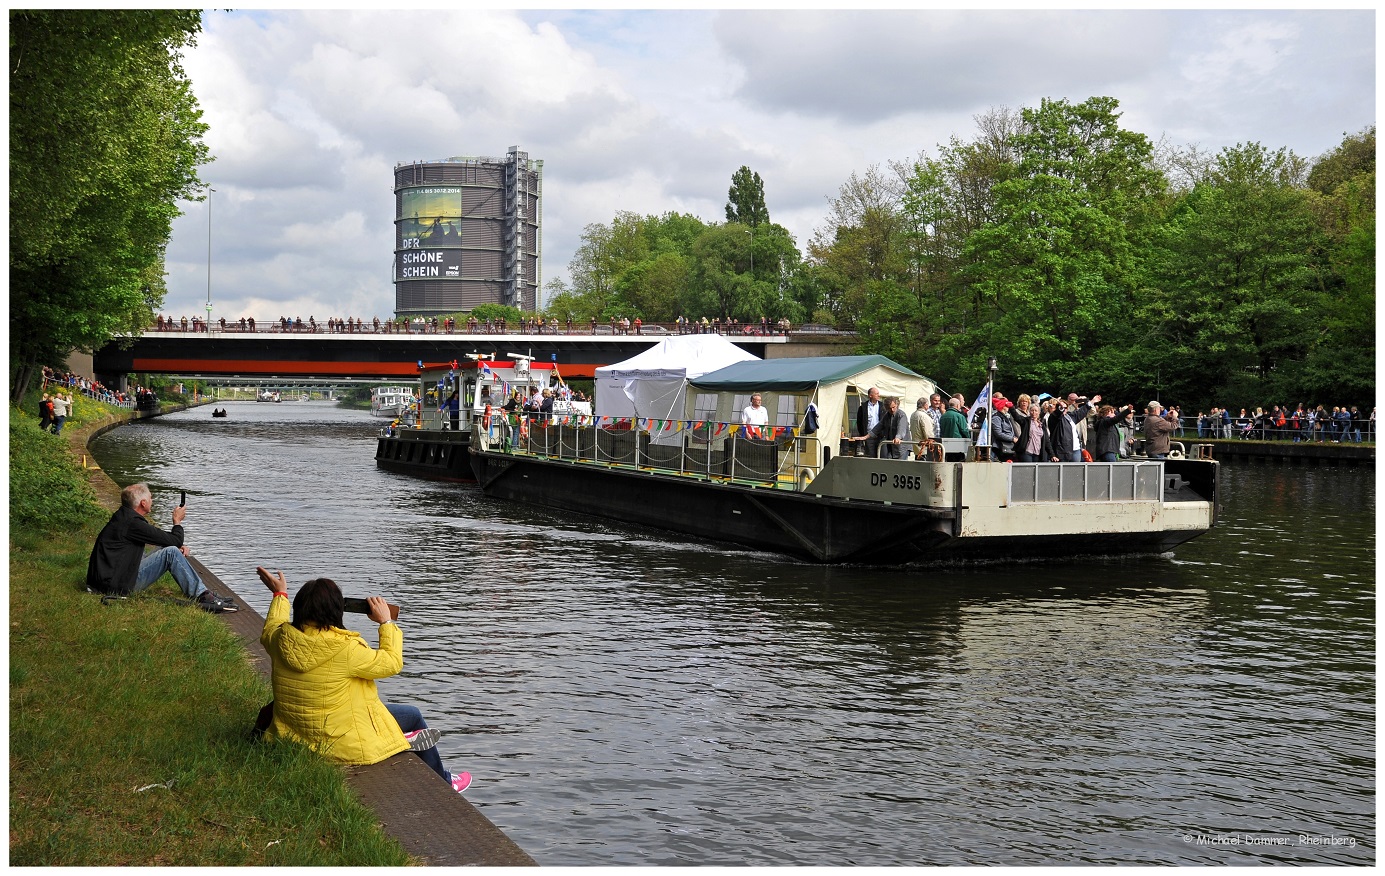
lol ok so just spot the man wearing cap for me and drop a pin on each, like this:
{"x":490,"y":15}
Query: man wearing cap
{"x":1157,"y":431}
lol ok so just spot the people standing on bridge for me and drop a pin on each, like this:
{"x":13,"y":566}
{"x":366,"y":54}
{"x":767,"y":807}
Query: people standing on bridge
{"x":324,"y":675}
{"x":118,"y":566}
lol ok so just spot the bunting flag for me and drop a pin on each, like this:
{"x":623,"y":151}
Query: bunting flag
{"x":751,"y":431}
{"x":719,"y":430}
{"x":486,"y":370}
{"x":642,"y":423}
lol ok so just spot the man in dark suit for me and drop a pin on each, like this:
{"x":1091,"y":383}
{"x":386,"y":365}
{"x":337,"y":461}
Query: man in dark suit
{"x":867,"y":418}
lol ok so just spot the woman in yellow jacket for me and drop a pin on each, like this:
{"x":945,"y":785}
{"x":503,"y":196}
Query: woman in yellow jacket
{"x":324,"y":680}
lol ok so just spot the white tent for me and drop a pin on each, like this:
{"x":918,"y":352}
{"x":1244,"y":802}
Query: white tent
{"x":652,"y":383}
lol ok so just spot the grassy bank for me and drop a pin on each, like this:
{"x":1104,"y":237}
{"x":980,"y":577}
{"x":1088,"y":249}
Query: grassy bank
{"x":129,"y":721}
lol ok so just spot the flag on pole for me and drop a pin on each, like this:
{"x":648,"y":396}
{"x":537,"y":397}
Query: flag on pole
{"x":983,"y":401}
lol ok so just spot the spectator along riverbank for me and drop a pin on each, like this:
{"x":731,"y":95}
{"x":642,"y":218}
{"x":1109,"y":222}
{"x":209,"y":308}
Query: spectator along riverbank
{"x":129,"y":721}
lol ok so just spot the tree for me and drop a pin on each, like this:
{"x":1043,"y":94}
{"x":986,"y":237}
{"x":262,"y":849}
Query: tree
{"x":1341,"y":363}
{"x":1059,"y":266}
{"x":105,"y":138}
{"x":1235,"y":275}
{"x":746,"y":199}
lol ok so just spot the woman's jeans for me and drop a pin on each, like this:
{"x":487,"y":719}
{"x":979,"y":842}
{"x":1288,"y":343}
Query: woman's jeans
{"x":411,"y":719}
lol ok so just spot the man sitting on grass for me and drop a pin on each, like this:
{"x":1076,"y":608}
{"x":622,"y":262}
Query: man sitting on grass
{"x":119,"y":567}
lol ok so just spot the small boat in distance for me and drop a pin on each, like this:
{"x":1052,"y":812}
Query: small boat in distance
{"x":391,"y":401}
{"x":266,"y":395}
{"x":218,"y":412}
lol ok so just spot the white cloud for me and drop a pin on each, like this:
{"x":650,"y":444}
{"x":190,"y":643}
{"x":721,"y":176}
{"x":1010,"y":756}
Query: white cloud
{"x":653,"y":111}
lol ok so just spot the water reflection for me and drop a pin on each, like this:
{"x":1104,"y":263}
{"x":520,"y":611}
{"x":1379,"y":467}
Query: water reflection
{"x":625,"y":697}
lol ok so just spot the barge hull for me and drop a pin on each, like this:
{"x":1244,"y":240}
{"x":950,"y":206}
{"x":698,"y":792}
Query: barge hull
{"x":814,"y":528}
{"x":439,"y":456}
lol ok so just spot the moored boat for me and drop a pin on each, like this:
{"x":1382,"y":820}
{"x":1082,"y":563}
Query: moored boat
{"x":390,"y":401}
{"x":787,"y":486}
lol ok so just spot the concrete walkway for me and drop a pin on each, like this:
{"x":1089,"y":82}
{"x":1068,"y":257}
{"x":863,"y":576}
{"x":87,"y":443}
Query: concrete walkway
{"x":430,"y":821}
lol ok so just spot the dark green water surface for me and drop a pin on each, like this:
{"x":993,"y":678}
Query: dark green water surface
{"x":627,"y":697}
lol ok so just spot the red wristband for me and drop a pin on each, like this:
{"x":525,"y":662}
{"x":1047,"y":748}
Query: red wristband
{"x":280,"y":593}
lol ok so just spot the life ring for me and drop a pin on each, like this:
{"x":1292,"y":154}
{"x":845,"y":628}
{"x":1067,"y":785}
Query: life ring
{"x":524,"y":427}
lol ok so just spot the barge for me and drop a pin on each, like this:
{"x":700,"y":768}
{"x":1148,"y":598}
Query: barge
{"x":791,"y":486}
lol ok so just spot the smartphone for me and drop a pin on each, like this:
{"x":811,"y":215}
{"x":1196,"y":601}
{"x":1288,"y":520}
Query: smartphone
{"x":184,"y":498}
{"x":357,"y":605}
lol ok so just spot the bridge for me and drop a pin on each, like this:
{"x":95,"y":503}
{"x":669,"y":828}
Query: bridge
{"x":338,"y":357}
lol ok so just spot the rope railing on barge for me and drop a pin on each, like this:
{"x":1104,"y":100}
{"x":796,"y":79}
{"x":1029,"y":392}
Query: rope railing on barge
{"x":772,"y":456}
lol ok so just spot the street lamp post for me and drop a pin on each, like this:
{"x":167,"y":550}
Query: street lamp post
{"x":209,"y":258}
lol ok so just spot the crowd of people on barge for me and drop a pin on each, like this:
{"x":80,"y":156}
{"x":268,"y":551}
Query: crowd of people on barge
{"x":1074,"y":428}
{"x":1042,"y":428}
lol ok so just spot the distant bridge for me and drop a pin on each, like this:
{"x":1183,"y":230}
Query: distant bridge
{"x":255,"y":356}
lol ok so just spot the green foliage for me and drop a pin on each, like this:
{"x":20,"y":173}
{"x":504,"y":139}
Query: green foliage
{"x":1237,"y":271}
{"x":746,"y":199}
{"x":497,"y":312}
{"x":105,"y":138}
{"x":48,"y":490}
{"x":1054,"y":241}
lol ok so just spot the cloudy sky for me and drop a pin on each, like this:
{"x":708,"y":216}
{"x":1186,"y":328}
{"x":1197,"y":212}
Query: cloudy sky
{"x":652,"y":111}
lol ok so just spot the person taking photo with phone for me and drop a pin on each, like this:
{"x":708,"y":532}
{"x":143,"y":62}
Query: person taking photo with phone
{"x":118,"y":566}
{"x":324,"y":680}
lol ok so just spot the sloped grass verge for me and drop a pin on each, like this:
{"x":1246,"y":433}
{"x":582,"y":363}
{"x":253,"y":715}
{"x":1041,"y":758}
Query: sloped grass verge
{"x":129,"y":721}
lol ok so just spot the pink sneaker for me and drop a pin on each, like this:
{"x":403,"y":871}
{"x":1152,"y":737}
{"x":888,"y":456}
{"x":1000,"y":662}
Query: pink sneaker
{"x":422,"y":740}
{"x":461,"y":781}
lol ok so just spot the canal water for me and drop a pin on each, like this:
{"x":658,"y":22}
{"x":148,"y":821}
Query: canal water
{"x":627,"y":697}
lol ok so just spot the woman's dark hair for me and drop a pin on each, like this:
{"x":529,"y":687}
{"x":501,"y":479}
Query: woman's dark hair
{"x":318,"y":603}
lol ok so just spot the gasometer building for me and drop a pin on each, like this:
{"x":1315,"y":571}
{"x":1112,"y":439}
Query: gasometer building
{"x":467,"y":231}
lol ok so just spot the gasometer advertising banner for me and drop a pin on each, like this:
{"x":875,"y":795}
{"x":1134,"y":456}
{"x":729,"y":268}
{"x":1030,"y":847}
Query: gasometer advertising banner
{"x":427,"y":264}
{"x":430,"y":216}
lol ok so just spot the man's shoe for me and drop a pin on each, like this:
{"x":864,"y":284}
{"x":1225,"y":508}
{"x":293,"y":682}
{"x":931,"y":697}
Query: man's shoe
{"x":422,"y":740}
{"x":461,"y":781}
{"x":209,"y":601}
{"x":227,"y":603}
